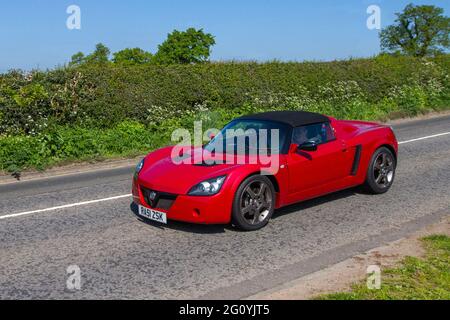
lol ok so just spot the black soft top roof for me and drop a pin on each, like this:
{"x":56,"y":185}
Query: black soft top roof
{"x":292,"y":118}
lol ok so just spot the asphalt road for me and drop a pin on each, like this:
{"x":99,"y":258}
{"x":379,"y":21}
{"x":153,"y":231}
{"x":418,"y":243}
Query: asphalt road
{"x":122,"y":257}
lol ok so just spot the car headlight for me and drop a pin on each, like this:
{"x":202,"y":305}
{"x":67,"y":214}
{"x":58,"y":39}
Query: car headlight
{"x":139,"y":166}
{"x":208,"y":187}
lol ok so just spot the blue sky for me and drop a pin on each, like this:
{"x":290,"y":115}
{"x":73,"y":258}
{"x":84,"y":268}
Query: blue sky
{"x":34,"y":35}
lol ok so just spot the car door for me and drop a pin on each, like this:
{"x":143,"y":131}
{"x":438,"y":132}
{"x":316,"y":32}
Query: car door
{"x":317,"y":172}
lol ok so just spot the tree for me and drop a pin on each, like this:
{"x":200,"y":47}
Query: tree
{"x":133,"y":56}
{"x":418,"y":31}
{"x":100,"y":55}
{"x":184,"y":47}
{"x":77,"y":59}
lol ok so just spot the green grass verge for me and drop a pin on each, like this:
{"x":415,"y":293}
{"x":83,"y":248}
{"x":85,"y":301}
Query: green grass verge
{"x":425,"y":278}
{"x":73,"y":144}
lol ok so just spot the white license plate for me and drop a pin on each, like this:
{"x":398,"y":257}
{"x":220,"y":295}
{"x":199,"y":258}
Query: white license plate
{"x":153,"y":214}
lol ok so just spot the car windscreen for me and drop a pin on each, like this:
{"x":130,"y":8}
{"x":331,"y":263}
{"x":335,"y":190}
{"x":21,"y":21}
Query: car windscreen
{"x":251,"y":137}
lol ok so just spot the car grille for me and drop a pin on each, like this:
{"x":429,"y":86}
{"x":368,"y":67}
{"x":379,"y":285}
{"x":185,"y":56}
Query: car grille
{"x":160,"y":200}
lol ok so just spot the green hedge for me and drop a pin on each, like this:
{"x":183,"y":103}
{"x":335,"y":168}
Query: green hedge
{"x":104,"y":110}
{"x":104,"y":95}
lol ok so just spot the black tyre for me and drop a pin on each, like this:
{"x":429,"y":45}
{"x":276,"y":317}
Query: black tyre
{"x":381,"y":172}
{"x":254,"y":203}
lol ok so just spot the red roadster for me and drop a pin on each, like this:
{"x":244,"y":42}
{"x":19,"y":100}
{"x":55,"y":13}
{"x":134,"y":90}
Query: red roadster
{"x":241,"y":178}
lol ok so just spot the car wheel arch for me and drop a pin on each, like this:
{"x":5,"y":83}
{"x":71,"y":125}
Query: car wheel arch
{"x":273,"y":179}
{"x":391,"y":148}
{"x":385,"y":145}
{"x":369,"y":150}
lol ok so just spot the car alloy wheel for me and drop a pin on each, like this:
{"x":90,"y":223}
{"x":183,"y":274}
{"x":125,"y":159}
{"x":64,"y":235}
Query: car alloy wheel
{"x":256,"y":202}
{"x":383,"y":170}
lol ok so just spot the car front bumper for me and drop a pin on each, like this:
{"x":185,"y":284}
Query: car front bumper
{"x":193,"y":209}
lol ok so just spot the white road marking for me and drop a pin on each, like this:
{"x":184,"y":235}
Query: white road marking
{"x":424,"y":138}
{"x":15,"y":215}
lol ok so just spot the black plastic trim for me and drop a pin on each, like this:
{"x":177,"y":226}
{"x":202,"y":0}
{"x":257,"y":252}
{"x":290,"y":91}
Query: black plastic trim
{"x":357,"y":160}
{"x":162,"y":200}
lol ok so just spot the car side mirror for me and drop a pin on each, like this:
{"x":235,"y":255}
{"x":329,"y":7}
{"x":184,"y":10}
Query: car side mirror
{"x":309,"y":146}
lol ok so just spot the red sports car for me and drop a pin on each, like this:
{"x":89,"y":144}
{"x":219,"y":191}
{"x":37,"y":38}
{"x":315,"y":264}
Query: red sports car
{"x":242,"y":177}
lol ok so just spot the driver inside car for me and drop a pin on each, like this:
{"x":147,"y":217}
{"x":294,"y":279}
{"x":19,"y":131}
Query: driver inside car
{"x":307,"y":133}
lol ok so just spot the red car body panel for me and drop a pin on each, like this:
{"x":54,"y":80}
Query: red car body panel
{"x":336,"y":165}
